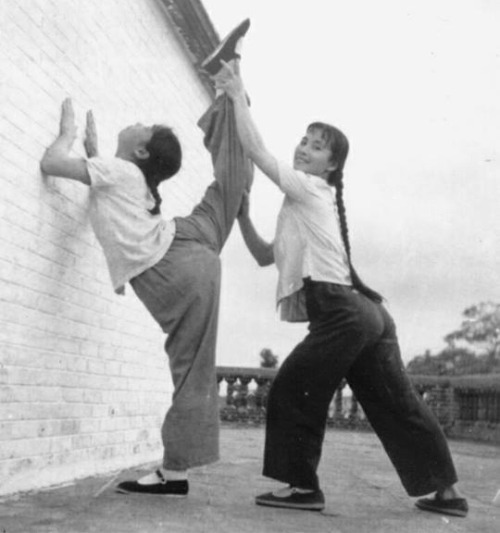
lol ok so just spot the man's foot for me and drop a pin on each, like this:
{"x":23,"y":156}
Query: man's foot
{"x":449,"y":506}
{"x":227,"y":49}
{"x":158,"y":485}
{"x":293,"y":498}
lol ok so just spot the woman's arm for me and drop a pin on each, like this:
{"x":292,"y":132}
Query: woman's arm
{"x":230,"y":82}
{"x":261,"y":250}
{"x":56,"y":160}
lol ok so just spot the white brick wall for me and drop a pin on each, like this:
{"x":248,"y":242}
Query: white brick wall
{"x":84,"y":381}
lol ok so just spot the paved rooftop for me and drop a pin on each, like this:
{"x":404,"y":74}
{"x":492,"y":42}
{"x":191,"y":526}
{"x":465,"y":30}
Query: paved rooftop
{"x":362,"y":491}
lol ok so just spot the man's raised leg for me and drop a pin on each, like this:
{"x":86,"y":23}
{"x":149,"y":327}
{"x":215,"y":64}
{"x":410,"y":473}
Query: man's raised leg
{"x":213,"y":218}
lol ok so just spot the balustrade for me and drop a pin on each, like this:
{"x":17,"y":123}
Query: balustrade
{"x":466,"y":406}
{"x":246,"y":397}
{"x":246,"y":393}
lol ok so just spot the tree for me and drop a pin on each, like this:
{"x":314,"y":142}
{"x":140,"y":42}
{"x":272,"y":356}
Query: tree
{"x":450,"y":361}
{"x":474,"y":348}
{"x":268,"y":359}
{"x":425,"y":364}
{"x":480,"y":331}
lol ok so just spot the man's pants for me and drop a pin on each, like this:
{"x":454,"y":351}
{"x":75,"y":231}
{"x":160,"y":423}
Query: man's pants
{"x":350,"y":336}
{"x":182,"y":293}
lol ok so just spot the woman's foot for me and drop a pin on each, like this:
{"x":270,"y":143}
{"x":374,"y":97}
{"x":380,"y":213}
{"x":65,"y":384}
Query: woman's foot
{"x":449,"y":493}
{"x":447,"y":500}
{"x":450,"y":506}
{"x":293,"y":498}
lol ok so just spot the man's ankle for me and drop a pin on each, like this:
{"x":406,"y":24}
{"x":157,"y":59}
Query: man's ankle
{"x":174,"y":475}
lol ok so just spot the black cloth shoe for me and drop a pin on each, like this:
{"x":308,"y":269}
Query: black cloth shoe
{"x":452,"y":507}
{"x":169,"y":488}
{"x":308,"y":501}
{"x":226,"y":49}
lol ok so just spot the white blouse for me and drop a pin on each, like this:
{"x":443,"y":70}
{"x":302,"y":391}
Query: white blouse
{"x":308,"y":240}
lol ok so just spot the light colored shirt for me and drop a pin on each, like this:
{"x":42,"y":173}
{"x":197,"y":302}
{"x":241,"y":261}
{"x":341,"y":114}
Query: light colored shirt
{"x":308,"y":240}
{"x":132,"y":239}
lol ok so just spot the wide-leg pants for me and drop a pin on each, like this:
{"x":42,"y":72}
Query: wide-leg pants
{"x":182,"y":293}
{"x":350,"y":336}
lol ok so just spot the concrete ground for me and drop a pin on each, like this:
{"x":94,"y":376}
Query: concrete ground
{"x":362,"y":491}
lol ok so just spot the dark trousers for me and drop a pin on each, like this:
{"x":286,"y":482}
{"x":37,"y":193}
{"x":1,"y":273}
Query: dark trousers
{"x":350,"y":336}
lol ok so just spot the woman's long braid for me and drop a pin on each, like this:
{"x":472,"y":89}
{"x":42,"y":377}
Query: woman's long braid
{"x":339,"y":195}
{"x":336,"y":179}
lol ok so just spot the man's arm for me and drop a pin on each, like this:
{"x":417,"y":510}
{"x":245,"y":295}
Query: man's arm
{"x":56,"y":160}
{"x":261,"y":250}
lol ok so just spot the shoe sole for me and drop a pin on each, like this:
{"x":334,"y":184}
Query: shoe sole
{"x":287,"y":505}
{"x":121,"y":491}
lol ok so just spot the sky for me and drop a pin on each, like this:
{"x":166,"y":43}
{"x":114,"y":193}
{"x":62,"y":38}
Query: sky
{"x":415,"y":86}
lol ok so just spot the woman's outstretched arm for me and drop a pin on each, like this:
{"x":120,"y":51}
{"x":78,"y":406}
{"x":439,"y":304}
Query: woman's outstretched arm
{"x":261,"y":250}
{"x":229,"y":80}
{"x":56,"y":160}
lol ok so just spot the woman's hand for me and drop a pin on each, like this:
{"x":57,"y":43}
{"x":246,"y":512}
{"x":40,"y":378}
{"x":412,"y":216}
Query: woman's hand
{"x":90,"y":140}
{"x":244,"y":211}
{"x":228,"y":79}
{"x":67,"y":125}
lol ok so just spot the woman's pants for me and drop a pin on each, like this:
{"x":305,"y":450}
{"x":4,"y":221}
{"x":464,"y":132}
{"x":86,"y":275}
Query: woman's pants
{"x":182,"y":293}
{"x":350,"y":336}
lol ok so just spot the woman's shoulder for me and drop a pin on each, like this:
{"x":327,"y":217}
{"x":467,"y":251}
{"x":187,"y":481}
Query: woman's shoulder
{"x":292,"y":179}
{"x":300,"y":186}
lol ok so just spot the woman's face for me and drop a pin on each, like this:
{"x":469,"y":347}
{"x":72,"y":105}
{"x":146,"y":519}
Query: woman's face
{"x":313,"y":155}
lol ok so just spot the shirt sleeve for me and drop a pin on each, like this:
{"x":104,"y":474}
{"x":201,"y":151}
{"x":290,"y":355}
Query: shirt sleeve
{"x":104,"y":172}
{"x":295,"y":183}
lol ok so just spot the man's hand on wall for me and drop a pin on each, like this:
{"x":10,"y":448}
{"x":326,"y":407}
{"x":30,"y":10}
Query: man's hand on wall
{"x":90,"y":140}
{"x":67,"y":125}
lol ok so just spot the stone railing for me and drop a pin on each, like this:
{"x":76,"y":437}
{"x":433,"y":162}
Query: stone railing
{"x":466,"y":406}
{"x":246,"y":393}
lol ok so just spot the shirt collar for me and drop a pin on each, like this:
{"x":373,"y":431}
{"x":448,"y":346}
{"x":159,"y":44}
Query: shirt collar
{"x":319,"y":182}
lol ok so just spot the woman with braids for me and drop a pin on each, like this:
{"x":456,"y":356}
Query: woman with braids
{"x":351,"y":335}
{"x":172,"y":265}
